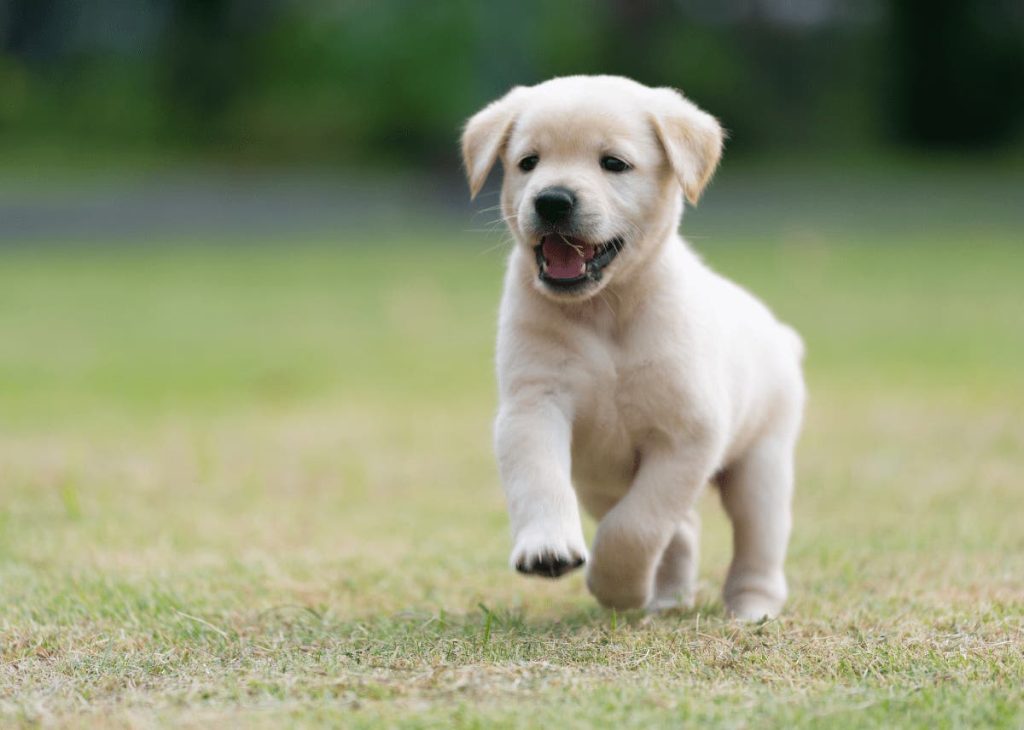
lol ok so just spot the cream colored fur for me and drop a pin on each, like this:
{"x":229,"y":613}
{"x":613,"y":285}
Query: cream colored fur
{"x":663,"y":377}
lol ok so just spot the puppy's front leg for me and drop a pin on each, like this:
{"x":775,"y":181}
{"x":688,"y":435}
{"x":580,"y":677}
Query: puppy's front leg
{"x":532,"y":440}
{"x":634,"y":534}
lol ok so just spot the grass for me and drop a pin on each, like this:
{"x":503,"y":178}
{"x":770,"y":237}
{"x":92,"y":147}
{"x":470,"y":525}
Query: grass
{"x":253,"y":486}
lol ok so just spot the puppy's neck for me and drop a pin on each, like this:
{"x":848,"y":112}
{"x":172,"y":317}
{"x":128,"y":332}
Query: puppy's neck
{"x":659,"y":270}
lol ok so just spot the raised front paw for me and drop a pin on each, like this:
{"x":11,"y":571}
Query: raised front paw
{"x":546,"y":555}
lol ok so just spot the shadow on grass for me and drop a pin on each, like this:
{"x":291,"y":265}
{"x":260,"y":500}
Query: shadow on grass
{"x":500,"y":633}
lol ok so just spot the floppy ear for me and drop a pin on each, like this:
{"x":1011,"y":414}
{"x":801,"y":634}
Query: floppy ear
{"x":484,"y":136}
{"x":692,"y":139}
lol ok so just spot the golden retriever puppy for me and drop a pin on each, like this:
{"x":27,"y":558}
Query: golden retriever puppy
{"x":630,"y":374}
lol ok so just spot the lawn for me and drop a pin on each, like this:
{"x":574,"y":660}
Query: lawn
{"x":251,"y":484}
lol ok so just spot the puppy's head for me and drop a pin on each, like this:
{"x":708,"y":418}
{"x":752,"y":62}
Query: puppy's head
{"x":595,"y":171}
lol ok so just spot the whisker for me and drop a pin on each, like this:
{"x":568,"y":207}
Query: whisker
{"x":495,"y":247}
{"x":576,"y":247}
{"x":608,"y":304}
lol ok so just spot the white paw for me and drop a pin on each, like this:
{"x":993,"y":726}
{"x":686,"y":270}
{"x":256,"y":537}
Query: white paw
{"x":751,"y":606}
{"x":677,"y":602}
{"x":619,"y":591}
{"x":621,"y":571}
{"x":547,"y":553}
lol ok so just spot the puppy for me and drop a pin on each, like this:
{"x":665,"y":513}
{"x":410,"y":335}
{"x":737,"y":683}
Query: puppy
{"x":630,"y":374}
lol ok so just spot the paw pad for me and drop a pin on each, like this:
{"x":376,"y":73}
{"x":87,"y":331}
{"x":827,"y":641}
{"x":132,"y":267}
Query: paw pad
{"x":548,"y":565}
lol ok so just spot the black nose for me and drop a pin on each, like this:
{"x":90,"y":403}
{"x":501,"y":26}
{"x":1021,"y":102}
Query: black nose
{"x":554,"y":205}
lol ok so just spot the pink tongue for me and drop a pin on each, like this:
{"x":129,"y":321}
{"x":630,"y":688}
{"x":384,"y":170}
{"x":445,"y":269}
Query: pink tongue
{"x":565,"y":261}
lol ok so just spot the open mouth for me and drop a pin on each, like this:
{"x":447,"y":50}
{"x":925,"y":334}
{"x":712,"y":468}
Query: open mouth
{"x":566,"y":262}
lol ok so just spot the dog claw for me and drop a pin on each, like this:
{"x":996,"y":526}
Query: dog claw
{"x":549,"y":566}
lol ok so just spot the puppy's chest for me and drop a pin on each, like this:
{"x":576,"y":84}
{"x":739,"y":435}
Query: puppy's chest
{"x":620,"y":402}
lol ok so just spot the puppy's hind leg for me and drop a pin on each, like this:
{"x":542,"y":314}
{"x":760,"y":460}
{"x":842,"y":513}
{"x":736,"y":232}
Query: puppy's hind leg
{"x":675,"y":584}
{"x":756,"y":493}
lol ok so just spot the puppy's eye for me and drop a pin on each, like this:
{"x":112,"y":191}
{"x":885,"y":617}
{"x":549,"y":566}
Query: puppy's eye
{"x":528,"y":163}
{"x":613,"y":164}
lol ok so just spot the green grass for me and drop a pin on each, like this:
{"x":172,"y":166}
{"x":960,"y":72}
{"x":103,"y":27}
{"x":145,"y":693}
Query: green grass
{"x":253,"y":485}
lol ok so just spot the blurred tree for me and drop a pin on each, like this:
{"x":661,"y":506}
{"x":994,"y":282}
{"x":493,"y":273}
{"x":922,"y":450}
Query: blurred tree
{"x":28,"y":29}
{"x":959,"y":71}
{"x":390,"y":81}
{"x":201,"y":65}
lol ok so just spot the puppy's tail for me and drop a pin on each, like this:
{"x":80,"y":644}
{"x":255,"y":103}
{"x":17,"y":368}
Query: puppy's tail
{"x":796,"y":339}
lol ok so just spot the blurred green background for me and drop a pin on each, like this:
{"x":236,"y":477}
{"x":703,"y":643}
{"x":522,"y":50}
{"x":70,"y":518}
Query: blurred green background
{"x":184,"y":116}
{"x":387,"y":82}
{"x":167,"y":118}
